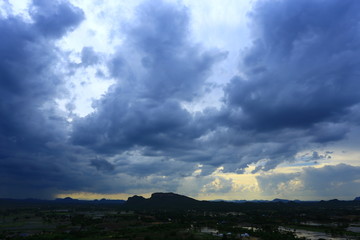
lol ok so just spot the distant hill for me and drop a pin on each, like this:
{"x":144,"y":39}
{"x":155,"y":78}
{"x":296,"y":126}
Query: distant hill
{"x":280,"y":200}
{"x":163,"y":200}
{"x":8,"y":202}
{"x":231,"y":201}
{"x":173,"y":201}
{"x":261,"y":201}
{"x":101,"y":201}
{"x":67,"y":200}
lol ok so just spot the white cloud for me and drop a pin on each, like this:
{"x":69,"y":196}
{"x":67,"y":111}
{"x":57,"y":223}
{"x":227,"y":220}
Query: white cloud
{"x":331,"y":181}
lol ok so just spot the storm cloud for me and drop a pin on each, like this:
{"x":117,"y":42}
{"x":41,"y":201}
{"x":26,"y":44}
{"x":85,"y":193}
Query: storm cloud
{"x":144,"y":108}
{"x":293,"y":100}
{"x":30,"y":122}
{"x":302,"y":68}
{"x":298,"y":80}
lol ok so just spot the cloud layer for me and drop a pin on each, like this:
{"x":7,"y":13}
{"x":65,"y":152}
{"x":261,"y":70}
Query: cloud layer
{"x":295,"y":98}
{"x":340,"y":181}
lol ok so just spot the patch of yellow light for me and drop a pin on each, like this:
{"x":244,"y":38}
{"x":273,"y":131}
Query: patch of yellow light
{"x":350,"y":157}
{"x":232,"y":195}
{"x":246,"y":178}
{"x":92,"y":196}
{"x":197,"y":172}
{"x":244,"y":187}
{"x":243,"y":179}
{"x":288,"y":169}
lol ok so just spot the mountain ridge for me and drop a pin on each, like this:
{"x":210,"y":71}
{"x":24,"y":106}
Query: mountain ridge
{"x":165,"y":198}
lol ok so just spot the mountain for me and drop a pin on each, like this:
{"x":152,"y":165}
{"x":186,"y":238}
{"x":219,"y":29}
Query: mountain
{"x":171,"y":201}
{"x":162,"y":200}
{"x":231,"y":201}
{"x":281,"y":200}
{"x":67,"y":200}
{"x":175,"y":198}
{"x":77,"y":201}
{"x":109,"y":201}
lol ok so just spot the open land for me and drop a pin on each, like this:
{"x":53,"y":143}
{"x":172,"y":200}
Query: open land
{"x":178,"y":219}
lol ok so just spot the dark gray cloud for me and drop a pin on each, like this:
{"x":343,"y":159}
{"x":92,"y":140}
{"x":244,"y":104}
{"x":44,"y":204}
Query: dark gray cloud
{"x":30,"y":122}
{"x":102,"y":165}
{"x":341,"y":179}
{"x":42,"y":173}
{"x":299,"y":83}
{"x":297,"y":93}
{"x":143,"y":109}
{"x":303,"y":66}
{"x":55,"y":18}
{"x":139,"y":113}
{"x":299,"y":80}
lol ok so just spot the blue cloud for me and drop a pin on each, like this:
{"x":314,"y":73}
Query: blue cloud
{"x":302,"y":68}
{"x":55,"y":18}
{"x":144,"y":107}
{"x":29,"y":119}
{"x":297,"y":92}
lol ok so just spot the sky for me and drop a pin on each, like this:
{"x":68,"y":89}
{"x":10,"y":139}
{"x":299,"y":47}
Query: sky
{"x":250,"y":99}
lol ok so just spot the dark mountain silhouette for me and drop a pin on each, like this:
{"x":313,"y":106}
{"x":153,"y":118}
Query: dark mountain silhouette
{"x":163,"y":200}
{"x":67,"y":200}
{"x":163,"y":197}
{"x":33,"y":202}
{"x":281,"y":200}
{"x":135,"y":200}
{"x":173,"y":201}
{"x":77,"y":201}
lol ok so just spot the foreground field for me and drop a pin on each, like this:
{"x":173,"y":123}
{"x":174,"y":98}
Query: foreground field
{"x":334,"y":220}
